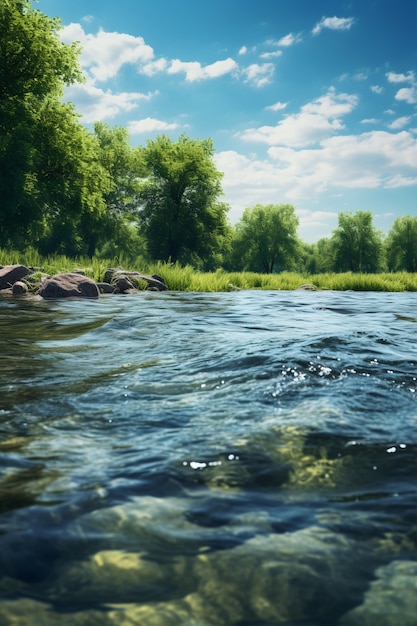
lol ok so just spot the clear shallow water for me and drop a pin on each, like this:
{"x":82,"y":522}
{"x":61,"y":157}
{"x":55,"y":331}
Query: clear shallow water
{"x":209,"y":460}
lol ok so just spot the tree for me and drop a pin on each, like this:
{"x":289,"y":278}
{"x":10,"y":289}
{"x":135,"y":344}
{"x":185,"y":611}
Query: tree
{"x":323,"y":256}
{"x":124,"y":167}
{"x":181,"y":217}
{"x":34,"y":66}
{"x":69,"y":180}
{"x":266,"y":238}
{"x":401,"y":244}
{"x":357,"y":245}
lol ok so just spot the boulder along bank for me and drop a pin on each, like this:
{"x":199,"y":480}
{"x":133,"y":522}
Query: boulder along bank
{"x":19,"y":280}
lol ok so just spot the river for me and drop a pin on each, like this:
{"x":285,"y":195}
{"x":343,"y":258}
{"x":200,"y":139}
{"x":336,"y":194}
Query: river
{"x":188,"y":459}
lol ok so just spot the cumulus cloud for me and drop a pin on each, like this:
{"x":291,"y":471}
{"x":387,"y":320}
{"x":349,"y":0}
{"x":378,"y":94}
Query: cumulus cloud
{"x":371,"y":160}
{"x":259,"y":74}
{"x":243,"y":50}
{"x":154,"y":67}
{"x":95,"y":104}
{"x":377,"y":89}
{"x":194,"y":71}
{"x":316,"y":120}
{"x":333,"y":23}
{"x":393,"y":77}
{"x":150,"y":125}
{"x":105,"y":53}
{"x":407,"y":94}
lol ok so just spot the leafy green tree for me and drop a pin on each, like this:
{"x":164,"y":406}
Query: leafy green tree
{"x":181,"y":217}
{"x":34,"y":66}
{"x":70,"y":181}
{"x":266,"y":238}
{"x":356,"y":243}
{"x":401,"y":244}
{"x":124,"y":167}
{"x":322,"y":256}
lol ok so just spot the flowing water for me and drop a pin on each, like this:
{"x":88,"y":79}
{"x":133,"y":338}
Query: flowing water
{"x":176,"y":459}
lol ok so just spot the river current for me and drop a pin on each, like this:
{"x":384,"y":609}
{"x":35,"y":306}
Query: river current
{"x":232,"y":459}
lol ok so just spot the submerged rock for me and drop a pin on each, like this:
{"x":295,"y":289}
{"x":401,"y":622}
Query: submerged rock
{"x":307,"y":287}
{"x":390,"y":600}
{"x":69,"y":285}
{"x":271,"y":578}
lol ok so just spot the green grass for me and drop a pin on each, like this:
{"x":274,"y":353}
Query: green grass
{"x":186,"y":278}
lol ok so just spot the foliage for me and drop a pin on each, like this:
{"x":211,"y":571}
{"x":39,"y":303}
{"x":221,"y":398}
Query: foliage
{"x":402,"y":244}
{"x":123,"y":167}
{"x":356,"y":244}
{"x":70,"y":179}
{"x":181,"y":217}
{"x":34,"y":67}
{"x":266,"y":238}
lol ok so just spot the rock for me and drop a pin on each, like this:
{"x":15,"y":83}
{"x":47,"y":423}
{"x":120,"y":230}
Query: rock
{"x":19,"y":288}
{"x":390,"y":600}
{"x":307,"y":287}
{"x":69,"y":285}
{"x":9,"y":274}
{"x":155,"y":282}
{"x":105,"y":287}
{"x":123,"y":285}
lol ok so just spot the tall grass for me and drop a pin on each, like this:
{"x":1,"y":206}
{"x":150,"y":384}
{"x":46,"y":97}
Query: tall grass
{"x":180,"y":278}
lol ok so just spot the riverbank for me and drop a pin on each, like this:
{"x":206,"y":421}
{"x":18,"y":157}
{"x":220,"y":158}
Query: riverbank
{"x":186,"y":278}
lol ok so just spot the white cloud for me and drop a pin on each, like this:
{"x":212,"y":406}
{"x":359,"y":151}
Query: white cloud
{"x":259,"y":75}
{"x":371,"y":120}
{"x":316,"y":120}
{"x":371,"y":160}
{"x":393,"y":77}
{"x":154,"y":67}
{"x":289,"y":40}
{"x":95,"y":104}
{"x":278,"y":106}
{"x":377,"y":89}
{"x":271,"y":55}
{"x":333,"y":23}
{"x":105,"y":53}
{"x":194,"y":71}
{"x":150,"y":125}
{"x":400,"y":122}
{"x":243,"y":50}
{"x":407,"y":94}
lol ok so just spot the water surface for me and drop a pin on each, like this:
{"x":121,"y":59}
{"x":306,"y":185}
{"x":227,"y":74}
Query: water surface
{"x":182,"y":459}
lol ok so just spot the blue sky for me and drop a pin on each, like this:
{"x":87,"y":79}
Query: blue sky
{"x":308,"y":102}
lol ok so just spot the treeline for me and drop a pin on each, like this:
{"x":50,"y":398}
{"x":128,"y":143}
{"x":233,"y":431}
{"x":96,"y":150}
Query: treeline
{"x":65,"y":189}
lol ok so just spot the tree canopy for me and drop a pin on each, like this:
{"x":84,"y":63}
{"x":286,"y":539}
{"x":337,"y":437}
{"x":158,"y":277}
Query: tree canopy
{"x":402,"y":244}
{"x":266,"y":238}
{"x":357,"y":245}
{"x":45,"y":154}
{"x":181,"y":217}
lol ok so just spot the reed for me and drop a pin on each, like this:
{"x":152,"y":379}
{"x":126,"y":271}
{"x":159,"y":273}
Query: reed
{"x":186,"y":278}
